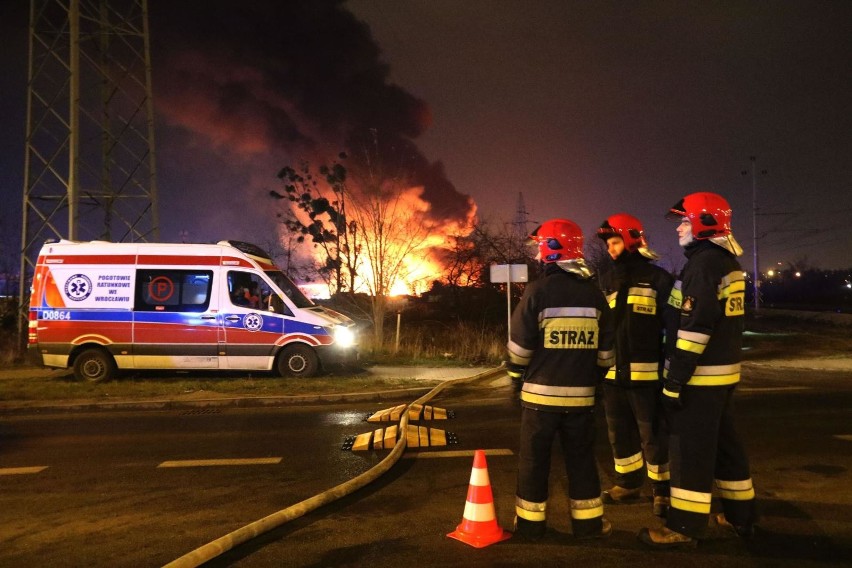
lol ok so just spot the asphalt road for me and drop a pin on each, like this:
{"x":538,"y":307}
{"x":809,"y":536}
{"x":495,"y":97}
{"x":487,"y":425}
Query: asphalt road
{"x":106,"y":498}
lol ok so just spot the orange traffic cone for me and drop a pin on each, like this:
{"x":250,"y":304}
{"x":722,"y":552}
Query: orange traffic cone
{"x":479,"y":526}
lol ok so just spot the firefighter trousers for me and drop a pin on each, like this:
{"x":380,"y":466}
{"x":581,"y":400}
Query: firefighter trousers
{"x":576,"y":432}
{"x":638,"y":435}
{"x":704,"y":448}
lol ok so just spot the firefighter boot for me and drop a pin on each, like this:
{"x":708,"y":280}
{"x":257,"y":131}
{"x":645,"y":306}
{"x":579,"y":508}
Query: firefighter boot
{"x":606,"y":530}
{"x":661,"y":505}
{"x":661,"y":492}
{"x":742,"y":531}
{"x":529,"y":530}
{"x":664,"y":537}
{"x":617,"y":494}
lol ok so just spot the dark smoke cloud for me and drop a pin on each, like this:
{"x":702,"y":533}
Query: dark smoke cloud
{"x":295,"y":78}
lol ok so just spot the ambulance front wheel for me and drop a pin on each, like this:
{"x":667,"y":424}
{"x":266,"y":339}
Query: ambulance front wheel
{"x":298,"y":361}
{"x":94,"y":366}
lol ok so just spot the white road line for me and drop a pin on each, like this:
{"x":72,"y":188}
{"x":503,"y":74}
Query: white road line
{"x":207,"y":463}
{"x":22,"y":470}
{"x":844,"y":437}
{"x":455,"y":454}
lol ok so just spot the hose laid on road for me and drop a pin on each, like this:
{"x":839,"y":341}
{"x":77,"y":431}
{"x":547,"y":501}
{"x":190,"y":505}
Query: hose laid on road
{"x":225,"y":543}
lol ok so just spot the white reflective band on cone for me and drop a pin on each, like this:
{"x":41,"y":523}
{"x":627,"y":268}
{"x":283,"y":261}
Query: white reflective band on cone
{"x":478,"y":512}
{"x":479,"y":477}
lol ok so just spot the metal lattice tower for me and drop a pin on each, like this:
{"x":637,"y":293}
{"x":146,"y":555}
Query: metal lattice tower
{"x":89,"y":158}
{"x":521,"y":220}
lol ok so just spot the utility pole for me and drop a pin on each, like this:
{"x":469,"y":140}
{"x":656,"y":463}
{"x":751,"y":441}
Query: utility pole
{"x":756,"y":271}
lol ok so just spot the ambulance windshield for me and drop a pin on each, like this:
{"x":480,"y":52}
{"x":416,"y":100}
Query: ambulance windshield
{"x":288,"y":287}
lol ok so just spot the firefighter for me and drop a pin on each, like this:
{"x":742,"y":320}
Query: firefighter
{"x":704,"y":368}
{"x":637,"y":291}
{"x":559,"y":348}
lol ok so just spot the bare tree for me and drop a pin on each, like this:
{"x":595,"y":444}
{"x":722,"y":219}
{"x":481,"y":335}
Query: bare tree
{"x":317,"y":209}
{"x":393,"y":227}
{"x":367,"y":218}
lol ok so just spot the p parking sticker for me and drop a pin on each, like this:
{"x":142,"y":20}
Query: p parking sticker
{"x":161,"y":289}
{"x":253,"y":322}
{"x":78,"y":287}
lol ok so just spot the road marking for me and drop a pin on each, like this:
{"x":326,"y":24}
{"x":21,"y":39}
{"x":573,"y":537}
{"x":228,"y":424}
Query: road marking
{"x":22,"y":470}
{"x":771,"y":389}
{"x":456,"y":454}
{"x":207,"y":463}
{"x":844,"y":437}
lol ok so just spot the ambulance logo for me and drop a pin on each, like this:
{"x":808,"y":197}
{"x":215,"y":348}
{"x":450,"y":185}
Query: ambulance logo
{"x":253,"y":322}
{"x":78,"y":287}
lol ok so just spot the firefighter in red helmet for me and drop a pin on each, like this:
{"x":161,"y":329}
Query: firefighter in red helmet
{"x":560,"y":346}
{"x":637,"y":291}
{"x":703,"y":370}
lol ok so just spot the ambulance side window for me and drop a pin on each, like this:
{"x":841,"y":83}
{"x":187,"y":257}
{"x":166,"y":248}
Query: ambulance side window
{"x":168,"y":290}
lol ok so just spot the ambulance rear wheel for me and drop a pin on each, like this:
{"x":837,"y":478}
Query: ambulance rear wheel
{"x":298,"y":361}
{"x":94,"y":366}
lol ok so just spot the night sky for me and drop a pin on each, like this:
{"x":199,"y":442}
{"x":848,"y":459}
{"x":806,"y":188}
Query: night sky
{"x":585,"y":108}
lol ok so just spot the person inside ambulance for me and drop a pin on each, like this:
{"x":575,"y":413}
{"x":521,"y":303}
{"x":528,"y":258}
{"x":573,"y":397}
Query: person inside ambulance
{"x":704,"y":368}
{"x":560,"y":346}
{"x":240,"y":296}
{"x":252,"y":296}
{"x":637,"y":291}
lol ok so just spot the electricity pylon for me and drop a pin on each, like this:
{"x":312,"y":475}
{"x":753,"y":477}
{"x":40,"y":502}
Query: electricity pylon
{"x":521,"y":219}
{"x":89,"y":162}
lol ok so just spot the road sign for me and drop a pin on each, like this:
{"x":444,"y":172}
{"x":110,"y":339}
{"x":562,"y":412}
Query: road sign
{"x":508,"y":273}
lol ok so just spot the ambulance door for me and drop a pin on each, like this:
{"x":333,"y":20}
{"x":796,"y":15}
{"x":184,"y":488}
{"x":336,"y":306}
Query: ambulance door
{"x":175,"y":321}
{"x":251,"y":330}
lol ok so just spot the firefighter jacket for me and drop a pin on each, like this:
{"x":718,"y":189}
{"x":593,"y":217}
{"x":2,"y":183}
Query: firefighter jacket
{"x":638,"y":293}
{"x":711,"y":297}
{"x":562,"y":336}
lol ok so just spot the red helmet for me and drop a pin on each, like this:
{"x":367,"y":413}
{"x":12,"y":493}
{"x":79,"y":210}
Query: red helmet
{"x":628,"y":227}
{"x":709,"y":214}
{"x":558,"y":239}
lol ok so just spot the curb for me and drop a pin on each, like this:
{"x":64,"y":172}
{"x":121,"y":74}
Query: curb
{"x":34,"y":407}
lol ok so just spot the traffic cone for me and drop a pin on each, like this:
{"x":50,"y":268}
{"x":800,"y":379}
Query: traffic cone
{"x":479,"y":526}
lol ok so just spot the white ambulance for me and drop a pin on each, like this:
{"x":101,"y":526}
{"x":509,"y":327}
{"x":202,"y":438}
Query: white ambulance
{"x":99,"y":306}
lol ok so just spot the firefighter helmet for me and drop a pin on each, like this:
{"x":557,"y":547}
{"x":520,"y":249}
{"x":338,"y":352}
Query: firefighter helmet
{"x":558,"y":239}
{"x":628,"y":227}
{"x":708,"y":212}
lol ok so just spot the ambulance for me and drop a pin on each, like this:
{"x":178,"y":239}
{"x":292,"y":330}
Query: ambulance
{"x":98,"y":307}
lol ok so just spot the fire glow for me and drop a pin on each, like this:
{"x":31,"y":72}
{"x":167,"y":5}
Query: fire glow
{"x":405,"y":250}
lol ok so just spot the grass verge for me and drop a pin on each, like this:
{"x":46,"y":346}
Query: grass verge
{"x":30,"y":383}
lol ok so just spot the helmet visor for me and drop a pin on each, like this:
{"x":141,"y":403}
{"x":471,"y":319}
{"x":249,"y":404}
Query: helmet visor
{"x":676,"y":211}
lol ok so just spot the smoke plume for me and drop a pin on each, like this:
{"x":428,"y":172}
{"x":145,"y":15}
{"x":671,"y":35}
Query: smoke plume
{"x":265,"y":83}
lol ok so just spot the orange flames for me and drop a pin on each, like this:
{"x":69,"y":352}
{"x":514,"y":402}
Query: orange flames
{"x":411,"y":241}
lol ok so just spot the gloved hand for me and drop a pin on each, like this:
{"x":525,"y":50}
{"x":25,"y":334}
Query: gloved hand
{"x":516,"y":372}
{"x":671,"y":396}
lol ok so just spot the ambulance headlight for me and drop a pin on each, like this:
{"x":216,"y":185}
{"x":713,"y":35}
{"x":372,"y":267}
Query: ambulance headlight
{"x":344,"y":336}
